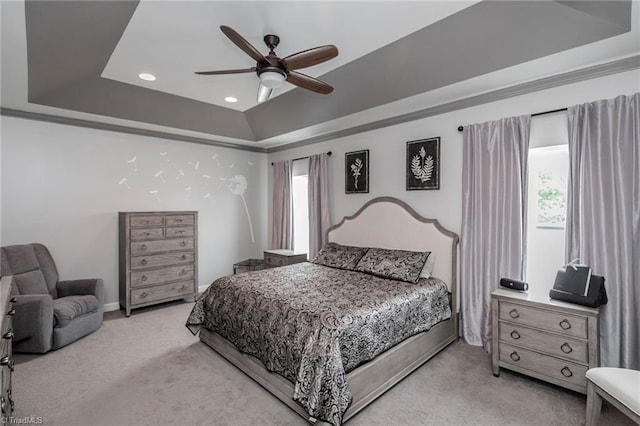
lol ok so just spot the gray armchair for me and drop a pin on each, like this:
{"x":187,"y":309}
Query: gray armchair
{"x":49,"y":313}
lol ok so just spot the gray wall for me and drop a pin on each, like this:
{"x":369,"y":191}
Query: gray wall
{"x":64,"y":185}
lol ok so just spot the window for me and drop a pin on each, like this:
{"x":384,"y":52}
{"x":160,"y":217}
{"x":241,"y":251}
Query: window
{"x":547,"y":201}
{"x":300,"y":206}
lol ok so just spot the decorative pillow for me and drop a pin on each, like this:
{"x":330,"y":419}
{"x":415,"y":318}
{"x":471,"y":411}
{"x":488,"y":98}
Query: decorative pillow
{"x":401,"y":265}
{"x":428,"y":266}
{"x":339,"y":256}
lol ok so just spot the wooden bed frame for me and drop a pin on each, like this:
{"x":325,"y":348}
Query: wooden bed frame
{"x":400,"y":227}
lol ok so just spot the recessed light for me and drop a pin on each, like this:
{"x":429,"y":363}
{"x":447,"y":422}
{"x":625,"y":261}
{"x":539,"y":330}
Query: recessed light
{"x":231,"y":99}
{"x":147,"y":77}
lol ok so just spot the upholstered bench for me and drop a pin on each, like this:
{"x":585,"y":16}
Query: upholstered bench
{"x":619,"y":386}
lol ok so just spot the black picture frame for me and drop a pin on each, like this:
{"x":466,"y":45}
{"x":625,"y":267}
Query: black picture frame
{"x":356,"y":172}
{"x":423,"y":164}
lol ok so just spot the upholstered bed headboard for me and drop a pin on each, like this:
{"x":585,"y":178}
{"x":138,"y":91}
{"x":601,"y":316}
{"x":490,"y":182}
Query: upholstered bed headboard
{"x":387,"y":222}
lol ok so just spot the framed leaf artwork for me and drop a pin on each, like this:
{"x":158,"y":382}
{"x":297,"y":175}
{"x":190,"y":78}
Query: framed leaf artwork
{"x":356,"y":172}
{"x":423,"y":164}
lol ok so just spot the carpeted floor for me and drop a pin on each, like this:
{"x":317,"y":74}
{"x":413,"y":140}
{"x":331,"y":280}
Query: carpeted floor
{"x":149,"y":370}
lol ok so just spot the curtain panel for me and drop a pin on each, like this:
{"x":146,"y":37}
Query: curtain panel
{"x":603,"y":216}
{"x":494,"y":207}
{"x":319,"y":212}
{"x":282,"y":229}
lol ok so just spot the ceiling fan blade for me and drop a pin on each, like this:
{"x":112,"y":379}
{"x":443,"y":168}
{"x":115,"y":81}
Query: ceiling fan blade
{"x":310,"y":57}
{"x":243,"y":44}
{"x":242,"y":71}
{"x":309,"y":83}
{"x":264,"y":93}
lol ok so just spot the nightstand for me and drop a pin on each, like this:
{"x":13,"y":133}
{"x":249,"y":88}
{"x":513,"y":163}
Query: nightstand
{"x":544,"y":338}
{"x":274,"y":258}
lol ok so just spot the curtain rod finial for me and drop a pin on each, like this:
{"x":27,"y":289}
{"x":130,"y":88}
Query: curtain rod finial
{"x":460,"y":128}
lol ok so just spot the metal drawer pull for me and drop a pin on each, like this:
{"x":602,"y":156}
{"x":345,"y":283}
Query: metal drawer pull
{"x":143,"y":294}
{"x":143,"y":262}
{"x":565,"y":325}
{"x":184,"y":271}
{"x":7,"y":361}
{"x":183,"y":243}
{"x":566,"y":348}
{"x":184,"y":287}
{"x":147,"y":233}
{"x":143,"y":247}
{"x":514,"y":313}
{"x":143,"y":278}
{"x":180,"y":232}
{"x":515,"y":334}
{"x":183,"y":257}
{"x":3,"y":405}
{"x":566,"y":372}
{"x":13,"y":299}
{"x":514,"y":356}
{"x":11,"y":312}
{"x":179,"y":220}
{"x":8,"y":335}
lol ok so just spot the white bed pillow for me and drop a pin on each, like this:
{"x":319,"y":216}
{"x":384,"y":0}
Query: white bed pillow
{"x":427,"y":270}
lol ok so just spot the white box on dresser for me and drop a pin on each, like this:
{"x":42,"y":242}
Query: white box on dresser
{"x":158,"y":257}
{"x":547,"y":339}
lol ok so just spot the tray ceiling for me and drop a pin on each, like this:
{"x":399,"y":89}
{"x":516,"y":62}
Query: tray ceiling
{"x":83,"y":59}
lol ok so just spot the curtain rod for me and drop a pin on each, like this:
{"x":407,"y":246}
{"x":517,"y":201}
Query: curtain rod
{"x":302,"y":158}
{"x":461,"y":128}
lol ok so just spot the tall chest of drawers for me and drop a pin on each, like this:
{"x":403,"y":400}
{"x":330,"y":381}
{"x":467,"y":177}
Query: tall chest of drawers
{"x":158,"y":257}
{"x":543,"y":338}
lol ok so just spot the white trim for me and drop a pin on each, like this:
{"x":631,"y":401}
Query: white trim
{"x":108,"y":307}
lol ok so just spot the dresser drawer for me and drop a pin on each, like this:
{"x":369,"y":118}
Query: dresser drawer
{"x":544,"y":364}
{"x":178,"y":219}
{"x":146,"y":234}
{"x":559,"y":322}
{"x":140,"y":262}
{"x":151,"y":220}
{"x":165,"y":291}
{"x":154,"y":276}
{"x":274,"y":260}
{"x":161,"y":245}
{"x":183,"y":231}
{"x":552,"y":344}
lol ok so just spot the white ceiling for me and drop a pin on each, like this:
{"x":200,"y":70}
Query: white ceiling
{"x":171,"y":40}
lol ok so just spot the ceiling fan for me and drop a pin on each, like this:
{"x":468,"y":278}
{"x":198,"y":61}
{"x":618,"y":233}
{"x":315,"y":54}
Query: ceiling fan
{"x":273,"y":71}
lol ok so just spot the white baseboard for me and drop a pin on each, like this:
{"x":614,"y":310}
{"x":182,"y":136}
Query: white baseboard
{"x":108,"y":307}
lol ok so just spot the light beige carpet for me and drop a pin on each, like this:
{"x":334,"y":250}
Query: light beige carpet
{"x":149,"y":370}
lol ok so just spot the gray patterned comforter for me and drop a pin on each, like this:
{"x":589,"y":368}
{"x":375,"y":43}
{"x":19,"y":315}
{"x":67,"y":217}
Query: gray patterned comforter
{"x":313,"y":324}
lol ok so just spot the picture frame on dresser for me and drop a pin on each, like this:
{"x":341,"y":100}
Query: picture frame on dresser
{"x":158,"y":257}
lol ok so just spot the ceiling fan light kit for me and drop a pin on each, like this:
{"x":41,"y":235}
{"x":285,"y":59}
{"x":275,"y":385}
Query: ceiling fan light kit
{"x":271,"y":79}
{"x":273,"y":71}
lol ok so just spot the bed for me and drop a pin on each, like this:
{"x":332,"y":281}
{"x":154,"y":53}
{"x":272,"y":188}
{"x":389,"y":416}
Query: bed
{"x":329,"y":340}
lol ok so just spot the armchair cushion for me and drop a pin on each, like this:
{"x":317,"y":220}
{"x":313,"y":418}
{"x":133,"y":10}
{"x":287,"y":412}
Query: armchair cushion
{"x":92,"y":286}
{"x":66,"y":309}
{"x":31,"y":282}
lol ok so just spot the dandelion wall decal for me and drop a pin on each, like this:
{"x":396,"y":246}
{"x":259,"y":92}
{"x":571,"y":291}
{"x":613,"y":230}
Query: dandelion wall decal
{"x":188,"y":190}
{"x":206,"y":179}
{"x":159,"y":174}
{"x":238,"y":185}
{"x":215,"y":157}
{"x":133,"y":161}
{"x":123,"y":181}
{"x":232,"y":165}
{"x":180,"y":174}
{"x":165,"y":155}
{"x":155,"y":194}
